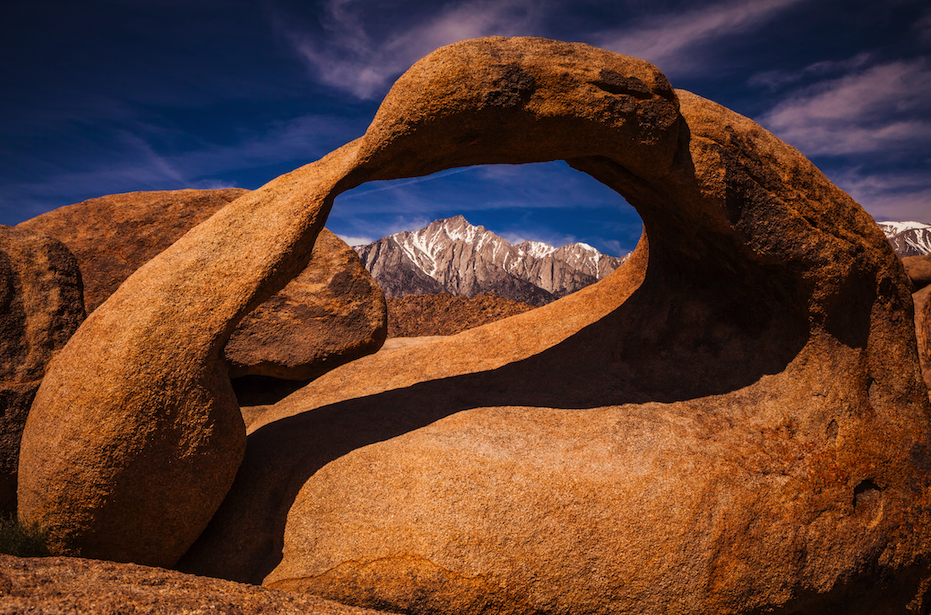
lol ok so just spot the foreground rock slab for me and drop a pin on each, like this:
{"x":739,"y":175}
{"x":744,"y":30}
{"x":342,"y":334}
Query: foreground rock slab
{"x":332,"y":313}
{"x":732,"y":422}
{"x":40,"y":308}
{"x":63,"y":585}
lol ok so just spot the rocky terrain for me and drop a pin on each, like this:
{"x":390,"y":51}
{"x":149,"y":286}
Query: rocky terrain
{"x":908,"y":238}
{"x":454,"y":257}
{"x":418,"y":315}
{"x":733,"y":421}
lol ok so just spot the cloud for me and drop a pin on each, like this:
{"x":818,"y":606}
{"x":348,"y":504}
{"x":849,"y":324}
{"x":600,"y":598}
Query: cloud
{"x":881,"y":108}
{"x":670,"y":40}
{"x":364,"y":58}
{"x":775,"y":79}
{"x":890,"y":196}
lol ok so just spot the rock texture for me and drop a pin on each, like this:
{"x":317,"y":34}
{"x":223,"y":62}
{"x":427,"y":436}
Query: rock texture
{"x":732,"y":422}
{"x":40,"y":297}
{"x":114,"y":235}
{"x":918,"y":270}
{"x":66,"y":586}
{"x":455,"y":257}
{"x":922,"y":301}
{"x":330,"y":314}
{"x":333,"y":312}
{"x":421,"y":315}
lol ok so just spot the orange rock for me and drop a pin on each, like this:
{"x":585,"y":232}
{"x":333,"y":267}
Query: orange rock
{"x":733,"y":421}
{"x":918,"y":269}
{"x":40,"y":296}
{"x":333,"y":312}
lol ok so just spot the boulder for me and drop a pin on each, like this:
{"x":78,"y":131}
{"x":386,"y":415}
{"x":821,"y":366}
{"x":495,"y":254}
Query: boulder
{"x":40,"y":296}
{"x":333,"y":312}
{"x":918,"y":270}
{"x":733,"y":421}
{"x":90,"y":587}
{"x":922,"y":301}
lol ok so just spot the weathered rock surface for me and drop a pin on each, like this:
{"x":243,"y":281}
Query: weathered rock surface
{"x":114,"y":235}
{"x":425,"y":315}
{"x":330,"y":314}
{"x":40,"y":307}
{"x":333,"y":312}
{"x":65,"y":586}
{"x":733,"y":421}
{"x":918,"y":270}
{"x":922,"y":301}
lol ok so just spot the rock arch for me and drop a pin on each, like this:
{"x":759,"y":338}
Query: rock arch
{"x":768,"y":292}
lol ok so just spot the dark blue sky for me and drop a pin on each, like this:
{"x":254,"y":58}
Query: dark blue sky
{"x":100,"y":97}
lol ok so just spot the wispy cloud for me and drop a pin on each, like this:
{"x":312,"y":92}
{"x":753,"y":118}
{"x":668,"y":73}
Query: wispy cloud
{"x":890,"y":196}
{"x":363,"y":58}
{"x":884,"y":107}
{"x":671,"y":41}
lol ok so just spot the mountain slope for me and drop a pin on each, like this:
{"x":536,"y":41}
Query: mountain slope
{"x":452,"y":256}
{"x":908,"y":238}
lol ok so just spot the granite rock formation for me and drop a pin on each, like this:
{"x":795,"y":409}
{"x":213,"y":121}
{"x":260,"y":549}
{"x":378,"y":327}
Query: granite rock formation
{"x":454,"y":257}
{"x":40,"y":297}
{"x":918,"y":270}
{"x":922,"y":301}
{"x":734,"y":421}
{"x":424,"y":315}
{"x":64,"y":585}
{"x":333,"y":312}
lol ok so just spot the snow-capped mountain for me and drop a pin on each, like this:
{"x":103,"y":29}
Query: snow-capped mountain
{"x":455,"y":257}
{"x":908,"y":238}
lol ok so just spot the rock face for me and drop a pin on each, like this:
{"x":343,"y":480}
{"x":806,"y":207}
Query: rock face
{"x":908,"y":238}
{"x":63,"y":585}
{"x":452,"y":256}
{"x":333,"y":312}
{"x":40,"y":296}
{"x":330,"y":314}
{"x":918,"y":270}
{"x":114,"y":235}
{"x":733,"y":421}
{"x":922,"y":301}
{"x":420,"y":315}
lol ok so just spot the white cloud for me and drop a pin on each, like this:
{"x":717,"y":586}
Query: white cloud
{"x":881,"y":108}
{"x":355,"y":241}
{"x":364,"y":60}
{"x":670,"y":40}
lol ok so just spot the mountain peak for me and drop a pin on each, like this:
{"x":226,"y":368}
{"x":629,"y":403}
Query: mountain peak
{"x":453,"y":256}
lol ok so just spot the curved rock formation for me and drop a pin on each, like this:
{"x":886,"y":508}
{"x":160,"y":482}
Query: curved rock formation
{"x":40,"y":307}
{"x":332,"y":313}
{"x":731,"y":422}
{"x":918,"y":270}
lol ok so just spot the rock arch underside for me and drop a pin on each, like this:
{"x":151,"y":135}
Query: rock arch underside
{"x":733,"y":422}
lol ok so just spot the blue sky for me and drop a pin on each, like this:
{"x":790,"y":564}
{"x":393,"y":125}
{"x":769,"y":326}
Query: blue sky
{"x":101,"y":97}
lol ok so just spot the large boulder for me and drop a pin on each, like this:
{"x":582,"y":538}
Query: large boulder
{"x":333,"y":312}
{"x":40,"y":307}
{"x":733,"y":421}
{"x":918,"y":269}
{"x":922,"y":301}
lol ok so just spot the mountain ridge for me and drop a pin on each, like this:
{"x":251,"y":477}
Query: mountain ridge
{"x":452,"y":256}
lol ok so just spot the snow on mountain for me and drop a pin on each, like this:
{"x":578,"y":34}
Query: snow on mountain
{"x":908,"y":238}
{"x":450,"y":255}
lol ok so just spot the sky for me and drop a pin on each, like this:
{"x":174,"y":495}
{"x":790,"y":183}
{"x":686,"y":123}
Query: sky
{"x":107,"y":96}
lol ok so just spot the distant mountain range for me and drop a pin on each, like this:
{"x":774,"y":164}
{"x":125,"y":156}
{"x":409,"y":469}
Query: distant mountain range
{"x":908,"y":238}
{"x":452,"y":256}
